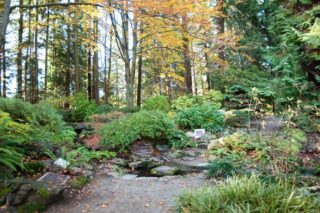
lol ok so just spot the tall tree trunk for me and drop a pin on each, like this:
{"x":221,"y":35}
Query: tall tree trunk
{"x":96,"y":64}
{"x":68,"y":70}
{"x":220,"y":27}
{"x":108,"y":78}
{"x":123,"y":41}
{"x":34,"y":90}
{"x":46,"y":57}
{"x":139,"y":86}
{"x":208,"y":68}
{"x":19,"y":56}
{"x":27,"y":59}
{"x":4,"y":20}
{"x":4,"y":67}
{"x":186,"y":58}
{"x":89,"y":88}
{"x":195,"y":80}
{"x":76,"y":51}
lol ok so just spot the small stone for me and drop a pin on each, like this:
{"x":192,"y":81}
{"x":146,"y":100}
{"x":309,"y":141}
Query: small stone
{"x":61,"y":163}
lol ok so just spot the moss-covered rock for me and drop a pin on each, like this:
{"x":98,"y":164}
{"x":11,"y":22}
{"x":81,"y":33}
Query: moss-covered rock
{"x":79,"y":182}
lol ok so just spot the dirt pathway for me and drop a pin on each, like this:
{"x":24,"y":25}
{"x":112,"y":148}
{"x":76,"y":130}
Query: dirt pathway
{"x":125,"y":195}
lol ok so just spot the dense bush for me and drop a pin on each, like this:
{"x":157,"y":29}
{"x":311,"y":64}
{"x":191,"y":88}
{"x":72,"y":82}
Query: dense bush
{"x":182,"y":103}
{"x":157,"y":102}
{"x":82,"y":107}
{"x":213,"y":98}
{"x":154,"y":125}
{"x":46,"y":125}
{"x":248,"y":194}
{"x":201,"y":116}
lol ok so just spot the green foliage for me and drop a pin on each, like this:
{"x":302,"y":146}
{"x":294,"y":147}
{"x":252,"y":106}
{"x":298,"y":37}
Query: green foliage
{"x":201,"y":116}
{"x":35,"y":123}
{"x":214,"y":98}
{"x":13,"y":132}
{"x":10,"y":158}
{"x":182,"y":103}
{"x":237,"y":118}
{"x":80,"y":156}
{"x":31,"y":207}
{"x":157,"y":102}
{"x":82,"y":107}
{"x":280,"y":151}
{"x":154,"y":125}
{"x":221,"y":167}
{"x":79,"y":182}
{"x":103,"y":109}
{"x":247,"y":194}
{"x":34,"y":167}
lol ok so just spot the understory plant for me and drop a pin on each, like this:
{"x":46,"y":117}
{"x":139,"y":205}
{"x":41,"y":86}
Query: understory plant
{"x":248,"y":194}
{"x":157,"y":102}
{"x":153,"y":125}
{"x":80,"y":155}
{"x":201,"y":116}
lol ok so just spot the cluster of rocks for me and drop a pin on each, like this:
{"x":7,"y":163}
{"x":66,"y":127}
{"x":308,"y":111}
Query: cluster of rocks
{"x":34,"y":196}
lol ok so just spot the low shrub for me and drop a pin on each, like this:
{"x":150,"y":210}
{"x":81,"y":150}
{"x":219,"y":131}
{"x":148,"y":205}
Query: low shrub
{"x":248,"y":194}
{"x":280,"y":152}
{"x":182,"y":103}
{"x":157,"y":102}
{"x":214,"y":98}
{"x":82,"y":107}
{"x":154,"y":125}
{"x":222,"y":167}
{"x":44,"y":122}
{"x":103,"y":109}
{"x":203,"y":116}
{"x":80,"y":156}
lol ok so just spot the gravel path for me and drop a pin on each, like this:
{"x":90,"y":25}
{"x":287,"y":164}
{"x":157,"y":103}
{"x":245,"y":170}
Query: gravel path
{"x":120,"y":195}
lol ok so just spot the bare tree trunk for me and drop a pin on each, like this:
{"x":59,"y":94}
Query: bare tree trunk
{"x":89,"y":88}
{"x":95,"y":64}
{"x":187,"y":59}
{"x":4,"y":67}
{"x":4,"y":20}
{"x":220,"y":27}
{"x":122,"y":40}
{"x":19,"y":56}
{"x":46,"y":57}
{"x":195,"y":79}
{"x":76,"y":52}
{"x":34,"y":90}
{"x":208,"y":68}
{"x":27,"y":59}
{"x":139,"y":87}
{"x":108,"y":77}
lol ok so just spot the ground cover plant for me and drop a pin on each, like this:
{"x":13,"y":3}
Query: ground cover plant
{"x":248,"y":194}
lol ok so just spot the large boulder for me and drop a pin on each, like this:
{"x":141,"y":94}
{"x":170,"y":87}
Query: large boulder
{"x":37,"y":195}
